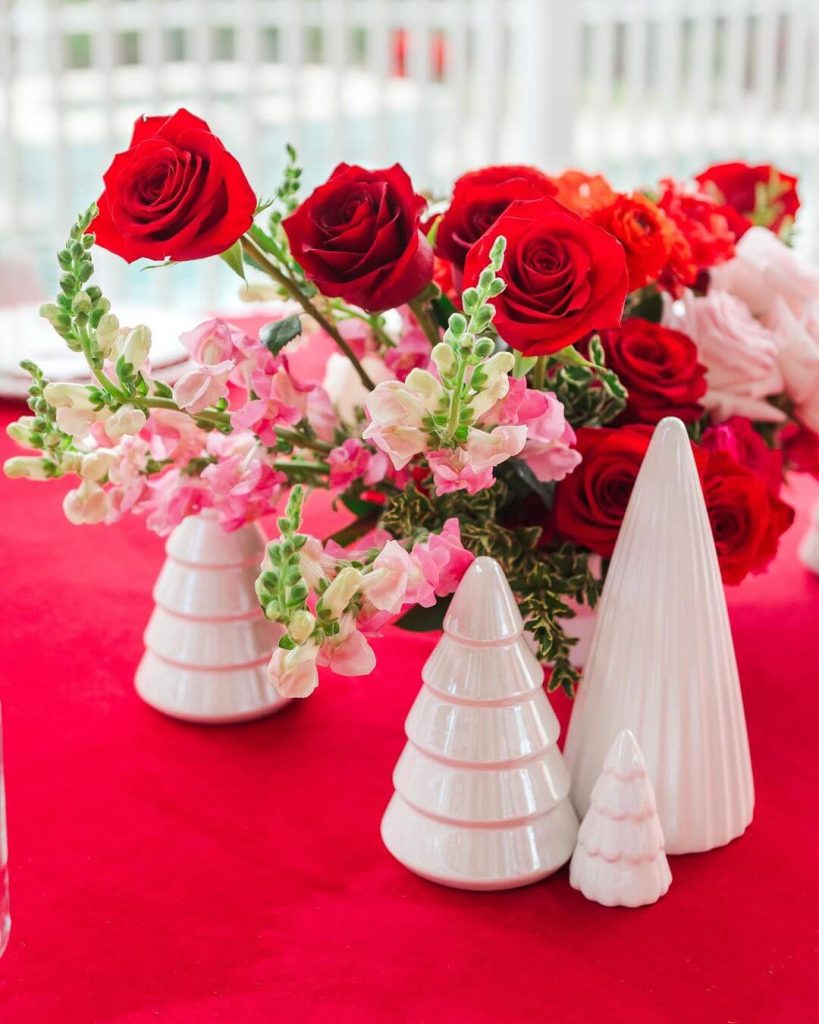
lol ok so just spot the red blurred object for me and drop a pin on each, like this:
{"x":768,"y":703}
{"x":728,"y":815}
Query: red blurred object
{"x":401,"y":43}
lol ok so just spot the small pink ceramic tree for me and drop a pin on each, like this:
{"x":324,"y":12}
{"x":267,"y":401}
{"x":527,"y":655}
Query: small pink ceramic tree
{"x":482,"y":791}
{"x":620,"y":857}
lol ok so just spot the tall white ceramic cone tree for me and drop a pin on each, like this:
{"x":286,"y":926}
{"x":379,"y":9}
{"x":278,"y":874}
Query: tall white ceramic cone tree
{"x":207,"y":642}
{"x":620,"y":857}
{"x":809,"y":548}
{"x":482,"y":791}
{"x":662,"y":661}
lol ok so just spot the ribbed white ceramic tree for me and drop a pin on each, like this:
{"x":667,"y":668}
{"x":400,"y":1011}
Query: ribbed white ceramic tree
{"x":620,"y":856}
{"x":207,"y":642}
{"x":662,"y":661}
{"x":482,"y":791}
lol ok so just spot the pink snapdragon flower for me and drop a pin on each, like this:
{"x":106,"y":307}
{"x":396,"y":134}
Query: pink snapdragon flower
{"x":439,"y":563}
{"x":411,"y":351}
{"x":293,"y":672}
{"x":172,"y":497}
{"x":216,"y":341}
{"x":397,"y":413}
{"x":274,"y":405}
{"x":385,"y":585}
{"x":173,"y":436}
{"x":244,"y":485}
{"x":549,"y":449}
{"x":204,"y":386}
{"x":87,"y":504}
{"x":348,"y":654}
{"x":348,"y":462}
{"x":469,"y":467}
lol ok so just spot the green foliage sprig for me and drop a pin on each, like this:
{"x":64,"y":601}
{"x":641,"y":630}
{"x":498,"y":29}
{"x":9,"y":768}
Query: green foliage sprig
{"x":542,"y":580}
{"x":592,"y":394}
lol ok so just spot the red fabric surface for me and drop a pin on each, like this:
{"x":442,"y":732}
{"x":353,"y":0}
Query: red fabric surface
{"x":163,"y":871}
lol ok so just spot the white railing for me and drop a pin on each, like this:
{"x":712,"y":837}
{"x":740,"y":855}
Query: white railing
{"x":636,"y":88}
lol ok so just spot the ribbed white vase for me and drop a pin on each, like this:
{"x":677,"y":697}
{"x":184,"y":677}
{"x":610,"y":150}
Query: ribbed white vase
{"x":662,"y":661}
{"x":207,"y":643}
{"x":481,"y":790}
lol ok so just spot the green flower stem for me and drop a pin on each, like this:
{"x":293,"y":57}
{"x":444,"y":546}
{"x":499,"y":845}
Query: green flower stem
{"x":425,"y":321}
{"x":540,"y":372}
{"x":270,"y":268}
{"x":455,"y":406}
{"x":301,"y":464}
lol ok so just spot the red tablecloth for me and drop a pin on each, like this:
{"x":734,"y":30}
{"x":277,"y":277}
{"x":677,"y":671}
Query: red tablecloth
{"x":188,"y":874}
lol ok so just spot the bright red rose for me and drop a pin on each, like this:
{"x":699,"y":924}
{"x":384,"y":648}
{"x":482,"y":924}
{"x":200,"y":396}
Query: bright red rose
{"x":800,"y":448}
{"x":478,"y":199}
{"x":175,"y":193}
{"x":565,"y":277}
{"x":591,"y":502}
{"x":747,"y":520}
{"x":760,"y":194}
{"x":660,"y":369}
{"x":650,"y":238}
{"x":736,"y":436}
{"x":358,"y":237}
{"x":703,"y":224}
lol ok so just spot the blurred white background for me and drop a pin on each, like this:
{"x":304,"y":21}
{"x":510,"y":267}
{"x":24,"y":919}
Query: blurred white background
{"x":636,"y":89}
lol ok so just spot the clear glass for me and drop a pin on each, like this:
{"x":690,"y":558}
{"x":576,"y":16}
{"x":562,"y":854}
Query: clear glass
{"x":5,"y":917}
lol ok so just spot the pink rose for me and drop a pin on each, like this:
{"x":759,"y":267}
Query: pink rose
{"x":740,"y":354}
{"x":765,"y":269}
{"x":799,"y":363}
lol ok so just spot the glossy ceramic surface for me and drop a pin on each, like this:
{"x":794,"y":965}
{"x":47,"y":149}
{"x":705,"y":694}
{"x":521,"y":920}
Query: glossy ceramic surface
{"x":482,"y":790}
{"x":662,"y":661}
{"x":620,"y":857}
{"x":207,"y":643}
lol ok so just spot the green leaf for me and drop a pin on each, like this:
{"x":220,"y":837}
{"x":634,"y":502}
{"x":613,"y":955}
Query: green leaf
{"x":443,"y":308}
{"x":360,"y":507}
{"x":276,"y":335}
{"x":235,"y":259}
{"x":424,"y":620}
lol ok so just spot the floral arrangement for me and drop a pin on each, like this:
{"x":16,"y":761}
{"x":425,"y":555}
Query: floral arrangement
{"x":503,"y":357}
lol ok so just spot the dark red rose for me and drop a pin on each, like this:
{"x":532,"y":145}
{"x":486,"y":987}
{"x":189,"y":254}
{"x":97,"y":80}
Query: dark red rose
{"x":800,"y":447}
{"x":358,"y":237}
{"x":703,"y":224}
{"x":660,"y":369}
{"x":478,"y":199}
{"x":760,"y":194}
{"x":565,"y":277}
{"x":175,"y":193}
{"x":591,"y":502}
{"x":747,"y":520}
{"x":737,"y":437}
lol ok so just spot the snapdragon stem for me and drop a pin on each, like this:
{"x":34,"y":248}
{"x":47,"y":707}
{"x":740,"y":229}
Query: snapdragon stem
{"x":540,"y":373}
{"x":425,"y":321}
{"x":455,"y":407}
{"x":260,"y":257}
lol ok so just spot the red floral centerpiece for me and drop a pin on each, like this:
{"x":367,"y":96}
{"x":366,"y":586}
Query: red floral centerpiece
{"x":501,"y":365}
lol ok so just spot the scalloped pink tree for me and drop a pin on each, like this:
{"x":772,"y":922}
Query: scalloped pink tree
{"x":482,"y":791}
{"x":620,"y":856}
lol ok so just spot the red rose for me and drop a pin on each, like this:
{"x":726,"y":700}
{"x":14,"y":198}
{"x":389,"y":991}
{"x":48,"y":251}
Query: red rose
{"x":660,"y":369}
{"x":565,"y":277}
{"x":591,"y":502}
{"x":478,"y":199}
{"x":747,"y":520}
{"x":800,"y":447}
{"x":737,"y":437}
{"x":703,"y":224}
{"x":650,"y":238}
{"x":358,"y":237}
{"x":760,"y":194}
{"x":175,"y":193}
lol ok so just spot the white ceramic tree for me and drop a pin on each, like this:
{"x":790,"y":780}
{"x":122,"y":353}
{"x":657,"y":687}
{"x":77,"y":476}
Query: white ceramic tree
{"x":482,"y":790}
{"x":662,"y":661}
{"x":207,"y":642}
{"x":620,"y":856}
